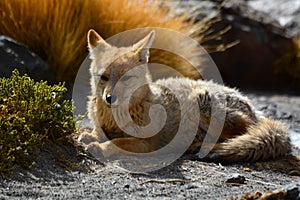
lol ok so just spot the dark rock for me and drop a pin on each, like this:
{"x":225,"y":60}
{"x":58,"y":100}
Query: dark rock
{"x":284,"y":115}
{"x":236,"y":179}
{"x":17,"y":56}
{"x":265,"y":29}
{"x":261,"y":107}
{"x":293,"y":191}
{"x":265,"y":34}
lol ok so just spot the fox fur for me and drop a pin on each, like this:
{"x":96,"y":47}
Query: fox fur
{"x":246,"y":136}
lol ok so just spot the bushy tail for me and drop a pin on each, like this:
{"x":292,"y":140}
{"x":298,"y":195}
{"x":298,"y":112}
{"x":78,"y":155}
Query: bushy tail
{"x":267,"y":139}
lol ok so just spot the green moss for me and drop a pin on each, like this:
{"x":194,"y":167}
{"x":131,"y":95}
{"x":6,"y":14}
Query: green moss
{"x":29,"y":115}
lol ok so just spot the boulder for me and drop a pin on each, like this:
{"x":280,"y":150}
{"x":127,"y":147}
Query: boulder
{"x":17,"y":56}
{"x":266,"y":31}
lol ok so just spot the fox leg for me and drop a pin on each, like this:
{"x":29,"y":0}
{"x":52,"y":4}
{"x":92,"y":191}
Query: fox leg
{"x":121,"y":146}
{"x":89,"y":137}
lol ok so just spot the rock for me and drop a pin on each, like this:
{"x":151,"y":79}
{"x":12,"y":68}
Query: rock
{"x":265,"y":29}
{"x":266,"y":32}
{"x":286,"y":13}
{"x":291,"y":191}
{"x":236,"y":180}
{"x":17,"y":56}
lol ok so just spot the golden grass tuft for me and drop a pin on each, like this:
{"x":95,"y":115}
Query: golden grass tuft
{"x":56,"y":29}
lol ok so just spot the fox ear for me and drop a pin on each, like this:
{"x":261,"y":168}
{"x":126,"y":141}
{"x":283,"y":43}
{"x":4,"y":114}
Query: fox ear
{"x":142,"y":47}
{"x":94,"y":39}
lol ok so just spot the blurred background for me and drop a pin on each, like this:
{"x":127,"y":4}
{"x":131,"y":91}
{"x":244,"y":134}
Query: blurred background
{"x":268,"y":53}
{"x":254,"y":43}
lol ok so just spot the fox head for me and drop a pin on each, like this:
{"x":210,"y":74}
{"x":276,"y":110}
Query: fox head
{"x":118,"y":72}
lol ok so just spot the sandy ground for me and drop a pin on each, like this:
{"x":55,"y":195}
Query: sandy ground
{"x":61,"y":172}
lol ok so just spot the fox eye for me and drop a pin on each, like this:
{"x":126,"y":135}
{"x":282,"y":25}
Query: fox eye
{"x":125,"y":78}
{"x":104,"y":78}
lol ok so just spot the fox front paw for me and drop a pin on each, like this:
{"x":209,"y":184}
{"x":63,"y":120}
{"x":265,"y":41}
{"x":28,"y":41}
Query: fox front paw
{"x":103,"y":150}
{"x":87,"y":138}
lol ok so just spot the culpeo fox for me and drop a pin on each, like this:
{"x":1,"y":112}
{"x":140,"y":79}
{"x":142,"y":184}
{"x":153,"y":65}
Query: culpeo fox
{"x":246,"y":136}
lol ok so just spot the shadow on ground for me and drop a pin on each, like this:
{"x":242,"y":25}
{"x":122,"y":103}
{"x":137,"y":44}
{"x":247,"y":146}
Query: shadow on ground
{"x":62,"y":171}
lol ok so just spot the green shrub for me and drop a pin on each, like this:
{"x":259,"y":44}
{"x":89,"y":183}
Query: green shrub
{"x":29,"y":115}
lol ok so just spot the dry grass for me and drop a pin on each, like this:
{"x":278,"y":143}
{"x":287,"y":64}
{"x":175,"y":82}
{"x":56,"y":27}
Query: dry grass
{"x":56,"y":29}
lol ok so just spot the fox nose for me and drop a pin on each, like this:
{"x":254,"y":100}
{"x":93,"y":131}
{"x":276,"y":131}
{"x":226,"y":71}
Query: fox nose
{"x":110,"y":99}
